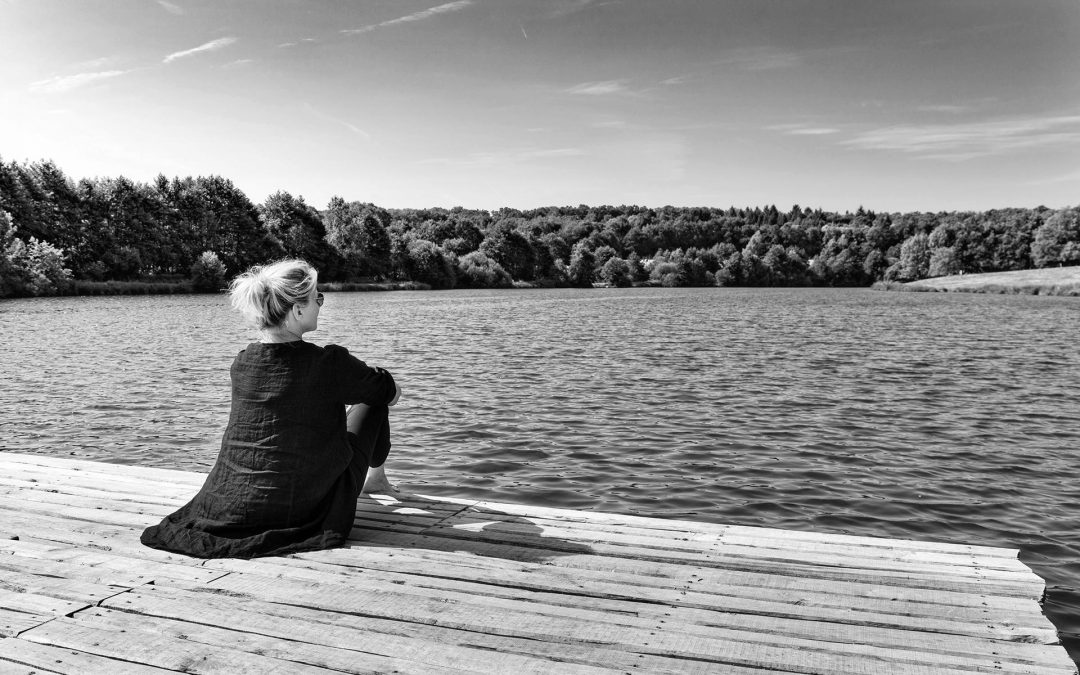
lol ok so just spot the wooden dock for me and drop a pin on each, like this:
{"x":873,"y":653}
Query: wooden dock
{"x":437,"y":585}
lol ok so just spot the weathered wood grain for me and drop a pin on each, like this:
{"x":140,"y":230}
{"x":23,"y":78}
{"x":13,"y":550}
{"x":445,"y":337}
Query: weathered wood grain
{"x":438,"y":585}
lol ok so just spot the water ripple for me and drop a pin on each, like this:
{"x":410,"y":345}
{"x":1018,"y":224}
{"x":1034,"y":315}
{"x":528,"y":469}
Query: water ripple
{"x":928,"y":416}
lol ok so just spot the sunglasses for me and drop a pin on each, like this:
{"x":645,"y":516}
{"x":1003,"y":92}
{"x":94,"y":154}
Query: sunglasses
{"x":319,"y":298}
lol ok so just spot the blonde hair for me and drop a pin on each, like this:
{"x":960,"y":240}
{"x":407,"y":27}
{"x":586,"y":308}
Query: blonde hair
{"x":265,"y":293}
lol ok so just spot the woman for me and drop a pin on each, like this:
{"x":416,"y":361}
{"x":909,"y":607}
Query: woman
{"x":292,"y":459}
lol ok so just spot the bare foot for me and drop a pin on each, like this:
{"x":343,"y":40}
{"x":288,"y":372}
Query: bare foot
{"x":377,"y":483}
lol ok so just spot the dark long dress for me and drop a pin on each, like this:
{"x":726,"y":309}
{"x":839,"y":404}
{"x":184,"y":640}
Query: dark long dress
{"x":288,"y":473}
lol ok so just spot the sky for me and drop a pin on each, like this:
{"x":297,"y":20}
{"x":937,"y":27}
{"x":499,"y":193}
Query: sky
{"x":892,"y":105}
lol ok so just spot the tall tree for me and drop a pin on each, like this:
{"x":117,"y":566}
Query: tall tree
{"x":358,"y":233}
{"x":1057,"y":241}
{"x":511,"y":249}
{"x":300,"y":232}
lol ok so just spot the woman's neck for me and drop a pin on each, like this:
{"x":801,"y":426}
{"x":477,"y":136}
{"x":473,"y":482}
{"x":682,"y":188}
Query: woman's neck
{"x":279,"y":334}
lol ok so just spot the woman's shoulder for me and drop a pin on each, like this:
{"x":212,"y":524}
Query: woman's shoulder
{"x":335,"y":351}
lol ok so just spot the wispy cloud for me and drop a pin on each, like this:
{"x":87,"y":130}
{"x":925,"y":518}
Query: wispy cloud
{"x":813,"y":131}
{"x":63,"y":83}
{"x":171,"y":8}
{"x":804,"y":130}
{"x":569,"y":7}
{"x":958,"y":142}
{"x":416,"y":16}
{"x":337,"y":120}
{"x":211,"y":46}
{"x":678,"y":79}
{"x":288,"y":45}
{"x":610,"y":124}
{"x":605,"y":88}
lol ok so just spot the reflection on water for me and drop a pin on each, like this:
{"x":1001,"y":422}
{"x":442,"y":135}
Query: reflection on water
{"x":926,"y":416}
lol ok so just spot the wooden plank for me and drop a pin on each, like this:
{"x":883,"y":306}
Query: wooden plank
{"x":596,"y":516}
{"x":22,"y":656}
{"x":244,"y":637}
{"x":384,"y":636}
{"x":630,"y":598}
{"x":626,"y":630}
{"x":75,"y":508}
{"x":173,"y":653}
{"x":105,"y":569}
{"x":308,"y":644}
{"x":15,"y":486}
{"x":10,"y":461}
{"x":613,"y":593}
{"x":602,"y":556}
{"x":847,"y":556}
{"x":21,"y":600}
{"x":692,"y":580}
{"x":55,"y":586}
{"x":43,"y":528}
{"x":678,"y":538}
{"x":693,"y":541}
{"x":13,"y":622}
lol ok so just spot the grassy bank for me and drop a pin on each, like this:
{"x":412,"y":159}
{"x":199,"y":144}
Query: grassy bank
{"x":1046,"y":281}
{"x":355,"y":286}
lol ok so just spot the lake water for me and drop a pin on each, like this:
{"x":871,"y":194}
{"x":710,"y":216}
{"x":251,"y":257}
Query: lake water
{"x":943,"y":417}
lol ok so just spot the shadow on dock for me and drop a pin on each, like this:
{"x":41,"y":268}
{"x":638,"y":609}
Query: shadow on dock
{"x":419,"y":522}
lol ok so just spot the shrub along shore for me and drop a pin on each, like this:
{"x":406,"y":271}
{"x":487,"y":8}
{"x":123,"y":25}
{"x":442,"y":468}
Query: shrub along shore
{"x":182,"y":287}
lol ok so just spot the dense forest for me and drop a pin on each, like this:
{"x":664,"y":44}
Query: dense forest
{"x":58,"y":235}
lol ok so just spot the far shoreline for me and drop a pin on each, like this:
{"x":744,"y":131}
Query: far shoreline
{"x":1053,"y":281}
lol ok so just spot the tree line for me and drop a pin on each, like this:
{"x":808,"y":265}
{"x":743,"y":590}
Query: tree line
{"x":56,"y":232}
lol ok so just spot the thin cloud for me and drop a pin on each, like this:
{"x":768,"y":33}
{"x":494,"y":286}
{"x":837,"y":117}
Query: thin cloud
{"x":357,"y":130}
{"x":62,"y":83}
{"x":958,"y":142}
{"x":417,"y":16}
{"x":288,"y":45}
{"x":211,"y":46}
{"x":575,"y":6}
{"x":803,"y":130}
{"x":677,"y":80}
{"x":336,"y":120}
{"x":598,"y":88}
{"x":171,"y":8}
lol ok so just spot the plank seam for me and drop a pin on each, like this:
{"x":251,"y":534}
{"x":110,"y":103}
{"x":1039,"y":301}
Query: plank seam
{"x":38,"y":625}
{"x":463,"y":509}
